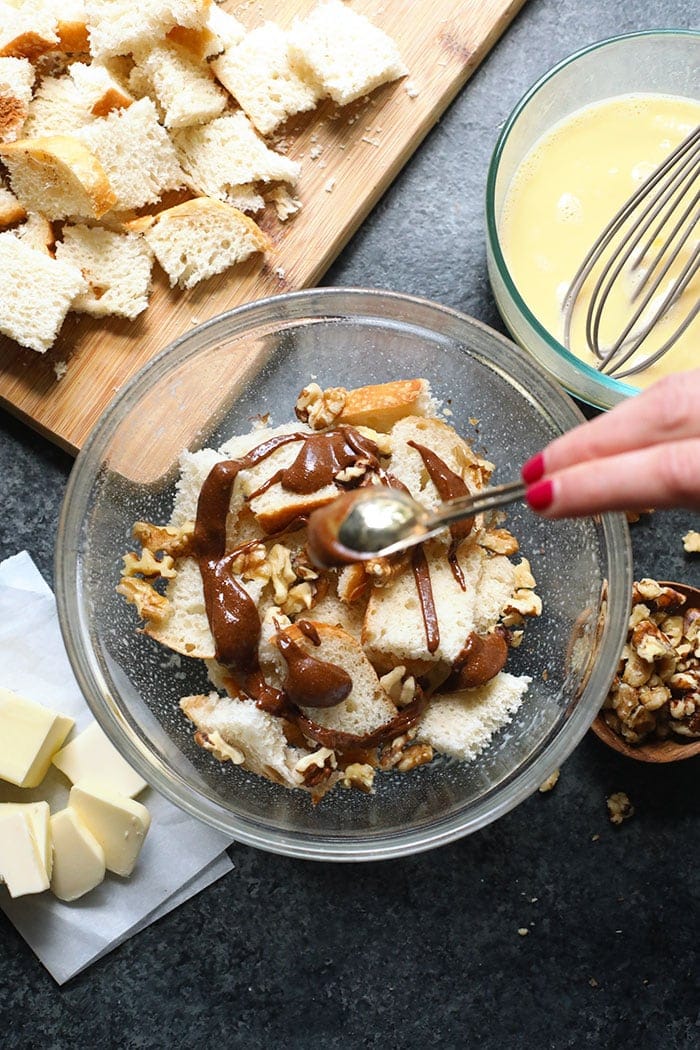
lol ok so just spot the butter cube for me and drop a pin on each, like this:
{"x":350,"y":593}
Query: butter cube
{"x":21,"y":865}
{"x":78,"y":859}
{"x":91,"y":756}
{"x":118,"y":823}
{"x":39,"y":816}
{"x":30,"y":735}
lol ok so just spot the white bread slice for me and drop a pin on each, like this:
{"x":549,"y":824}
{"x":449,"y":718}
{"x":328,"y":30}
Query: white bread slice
{"x":16,"y":82}
{"x":407,"y":464}
{"x":394,"y":632}
{"x":11,"y":211}
{"x":332,"y":610}
{"x":58,"y":176}
{"x":32,"y":312}
{"x":260,"y":77}
{"x":342,"y":50}
{"x":185,"y":627}
{"x":56,"y":109}
{"x":199,"y":238}
{"x":368,"y":706}
{"x":184,"y":88}
{"x":37,"y":232}
{"x":462,"y":724}
{"x":118,"y":27}
{"x":136,"y":154}
{"x":71,"y":21}
{"x":27,"y":31}
{"x":116,"y":266}
{"x":220,"y":32}
{"x":99,"y":90}
{"x":257,"y":735}
{"x":379,"y":406}
{"x":225,"y":154}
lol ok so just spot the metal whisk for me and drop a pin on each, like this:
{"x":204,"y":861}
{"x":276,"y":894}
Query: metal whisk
{"x":666,"y":206}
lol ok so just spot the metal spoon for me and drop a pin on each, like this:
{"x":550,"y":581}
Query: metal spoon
{"x":374,"y":522}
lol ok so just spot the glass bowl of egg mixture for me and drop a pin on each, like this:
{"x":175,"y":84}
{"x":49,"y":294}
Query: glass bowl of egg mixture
{"x":579,"y":143}
{"x":351,"y":714}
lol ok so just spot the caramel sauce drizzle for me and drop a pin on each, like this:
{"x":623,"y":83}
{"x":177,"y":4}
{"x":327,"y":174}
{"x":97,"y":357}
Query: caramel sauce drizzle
{"x":449,"y":486}
{"x":421,"y":574}
{"x":311,"y":682}
{"x":480,"y":660}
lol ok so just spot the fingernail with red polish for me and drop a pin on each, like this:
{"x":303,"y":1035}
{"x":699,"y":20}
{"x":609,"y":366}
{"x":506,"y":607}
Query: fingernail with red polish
{"x":533,"y":470}
{"x":540,"y":495}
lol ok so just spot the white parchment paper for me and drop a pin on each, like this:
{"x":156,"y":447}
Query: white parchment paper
{"x":181,"y":855}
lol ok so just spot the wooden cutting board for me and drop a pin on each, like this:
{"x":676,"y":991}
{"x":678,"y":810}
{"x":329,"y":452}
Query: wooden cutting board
{"x":349,"y":157}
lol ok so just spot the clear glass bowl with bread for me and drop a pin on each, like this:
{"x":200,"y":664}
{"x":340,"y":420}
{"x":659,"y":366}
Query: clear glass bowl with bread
{"x":243,"y":372}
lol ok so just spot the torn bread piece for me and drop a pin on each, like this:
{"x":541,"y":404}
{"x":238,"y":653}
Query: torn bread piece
{"x":117,"y":268}
{"x":220,"y":31}
{"x":259,"y":75}
{"x":38,"y":233}
{"x":136,"y":153}
{"x":71,"y":25}
{"x":250,"y":737}
{"x":344,"y":52}
{"x":200,"y":238}
{"x":58,"y":176}
{"x":380,"y":406}
{"x":226,"y":154}
{"x":16,"y":83}
{"x":26,"y":31}
{"x":99,"y":89}
{"x":462,"y":724}
{"x":367,"y":706}
{"x":119,"y":27}
{"x":184,"y":88}
{"x":11,"y":211}
{"x":58,"y":108}
{"x":32,"y":314}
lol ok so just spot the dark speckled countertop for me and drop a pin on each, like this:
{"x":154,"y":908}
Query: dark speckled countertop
{"x":423,"y":951}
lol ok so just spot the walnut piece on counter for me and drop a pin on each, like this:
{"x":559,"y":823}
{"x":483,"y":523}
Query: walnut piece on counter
{"x":691,"y":542}
{"x":619,"y":807}
{"x":549,"y":783}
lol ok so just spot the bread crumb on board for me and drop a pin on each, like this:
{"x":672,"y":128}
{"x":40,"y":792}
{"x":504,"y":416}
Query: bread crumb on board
{"x":183,"y":98}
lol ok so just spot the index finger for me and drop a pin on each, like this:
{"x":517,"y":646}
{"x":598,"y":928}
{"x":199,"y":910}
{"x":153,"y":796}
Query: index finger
{"x":666,"y":412}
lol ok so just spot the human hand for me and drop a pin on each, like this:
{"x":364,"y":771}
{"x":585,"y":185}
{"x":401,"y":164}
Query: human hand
{"x":643,"y":453}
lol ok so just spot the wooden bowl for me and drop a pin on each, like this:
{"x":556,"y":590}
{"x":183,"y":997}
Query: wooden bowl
{"x":672,"y":749}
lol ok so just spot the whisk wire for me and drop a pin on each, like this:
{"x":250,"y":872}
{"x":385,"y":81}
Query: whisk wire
{"x":643,"y":220}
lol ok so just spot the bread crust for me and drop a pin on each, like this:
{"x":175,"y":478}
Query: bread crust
{"x":70,"y":161}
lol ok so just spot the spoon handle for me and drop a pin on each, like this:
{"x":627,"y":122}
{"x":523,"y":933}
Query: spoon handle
{"x":466,"y":506}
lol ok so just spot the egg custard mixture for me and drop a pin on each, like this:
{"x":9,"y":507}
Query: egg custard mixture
{"x":562,"y":196}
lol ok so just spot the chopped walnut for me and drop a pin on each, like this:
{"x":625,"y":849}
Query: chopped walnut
{"x":525,"y":602}
{"x":381,"y":571}
{"x":317,"y":766}
{"x":523,"y":575}
{"x":401,"y":692}
{"x":165,"y":538}
{"x":282,"y":575}
{"x":354,"y":472}
{"x":320,"y":408}
{"x":390,"y":754}
{"x":221,"y":751}
{"x":150,"y":605}
{"x":359,"y":775}
{"x":499,"y":541}
{"x":299,"y":597}
{"x":148,"y":565}
{"x":414,"y":756}
{"x":382,"y":441}
{"x":691,"y":542}
{"x":657,"y":686}
{"x":549,"y":783}
{"x":619,"y":807}
{"x":252,"y":563}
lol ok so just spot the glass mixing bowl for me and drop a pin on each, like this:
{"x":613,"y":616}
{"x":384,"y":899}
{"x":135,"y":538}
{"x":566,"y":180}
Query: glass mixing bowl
{"x":214,"y":382}
{"x":661,"y":61}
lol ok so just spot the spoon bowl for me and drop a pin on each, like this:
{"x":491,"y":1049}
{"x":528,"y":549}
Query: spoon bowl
{"x":670,"y":749}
